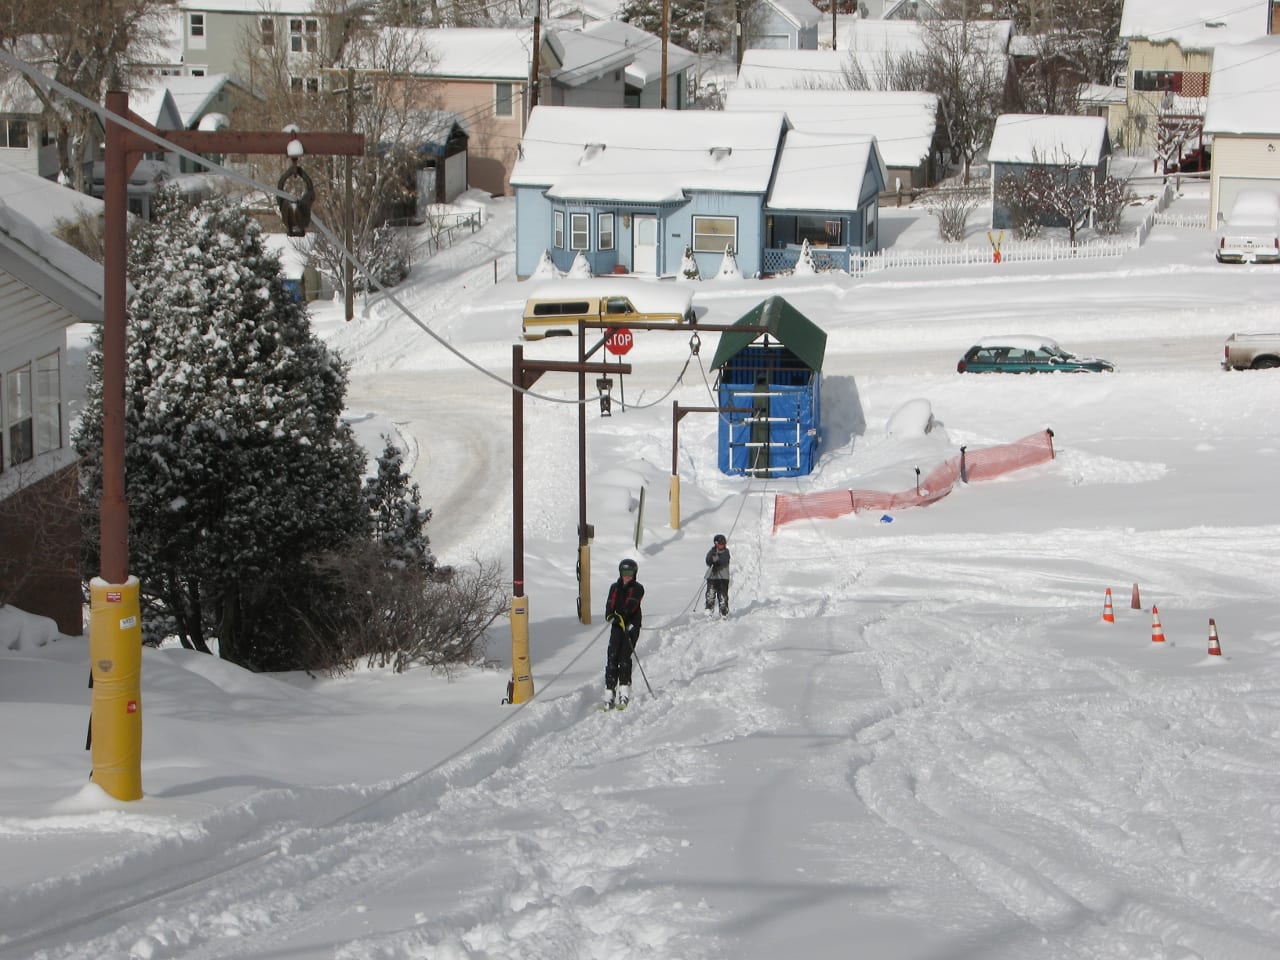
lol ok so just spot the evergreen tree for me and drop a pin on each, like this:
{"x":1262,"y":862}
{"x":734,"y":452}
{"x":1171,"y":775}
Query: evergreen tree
{"x":697,"y":26}
{"x":238,"y":467}
{"x":395,"y":512}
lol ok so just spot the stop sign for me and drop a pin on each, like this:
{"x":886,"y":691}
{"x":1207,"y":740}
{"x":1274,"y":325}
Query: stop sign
{"x":619,"y":341}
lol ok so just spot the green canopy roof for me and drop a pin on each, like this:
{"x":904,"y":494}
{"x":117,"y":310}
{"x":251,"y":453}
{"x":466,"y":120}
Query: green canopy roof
{"x":786,"y":324}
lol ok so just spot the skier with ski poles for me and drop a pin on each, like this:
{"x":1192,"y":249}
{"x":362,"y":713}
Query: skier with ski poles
{"x":622,"y":610}
{"x":718,"y":575}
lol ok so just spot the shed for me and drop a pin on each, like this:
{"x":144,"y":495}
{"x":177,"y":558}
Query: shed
{"x":778,"y":375}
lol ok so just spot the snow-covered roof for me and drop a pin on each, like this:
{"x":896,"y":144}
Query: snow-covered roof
{"x":646,"y":67}
{"x":193,"y":95}
{"x":157,"y":107}
{"x":482,"y":53}
{"x":896,"y":37}
{"x":1242,"y":96}
{"x":902,"y":123}
{"x":1100,"y":94}
{"x":1195,"y":24}
{"x":44,"y":202}
{"x":46,"y":264}
{"x":822,"y":171}
{"x":1046,"y":138}
{"x":794,"y":69}
{"x":800,"y":13}
{"x":646,"y":156}
{"x":584,"y":58}
{"x":312,"y":7}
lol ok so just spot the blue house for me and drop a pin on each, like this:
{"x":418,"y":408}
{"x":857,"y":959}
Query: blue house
{"x":777,"y":375}
{"x":1077,"y":148}
{"x":632,"y":190}
{"x":785,"y":25}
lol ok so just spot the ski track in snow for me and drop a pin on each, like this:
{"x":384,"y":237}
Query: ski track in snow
{"x":933,"y":774}
{"x":945,"y":709}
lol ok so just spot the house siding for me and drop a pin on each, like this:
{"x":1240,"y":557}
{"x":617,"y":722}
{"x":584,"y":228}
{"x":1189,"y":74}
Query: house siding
{"x":491,"y":148}
{"x":1145,"y":55}
{"x":678,"y":232}
{"x":1240,"y":157}
{"x":40,"y":550}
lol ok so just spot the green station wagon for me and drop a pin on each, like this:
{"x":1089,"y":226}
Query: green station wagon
{"x":1023,"y":354}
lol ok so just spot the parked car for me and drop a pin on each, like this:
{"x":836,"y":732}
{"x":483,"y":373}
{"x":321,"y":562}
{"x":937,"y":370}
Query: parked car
{"x":1252,"y":231}
{"x":1023,"y":354}
{"x":1251,"y":351}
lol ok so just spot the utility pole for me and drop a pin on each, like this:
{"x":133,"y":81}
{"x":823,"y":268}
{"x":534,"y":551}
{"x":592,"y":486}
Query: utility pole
{"x":115,"y":625}
{"x":348,"y":274}
{"x":666,"y":31}
{"x":537,"y":43}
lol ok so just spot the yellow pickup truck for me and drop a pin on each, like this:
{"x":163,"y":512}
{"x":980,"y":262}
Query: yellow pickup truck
{"x":554,"y":307}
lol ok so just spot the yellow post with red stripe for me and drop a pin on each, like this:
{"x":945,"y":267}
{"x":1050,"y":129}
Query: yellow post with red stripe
{"x":115,"y":659}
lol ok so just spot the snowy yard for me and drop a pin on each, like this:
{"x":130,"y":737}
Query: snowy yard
{"x":915,"y":737}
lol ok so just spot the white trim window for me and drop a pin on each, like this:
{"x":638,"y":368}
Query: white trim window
{"x":304,"y":35}
{"x":31,"y":412}
{"x":604,"y":231}
{"x":557,"y":229}
{"x":503,"y":100}
{"x":714,"y":234}
{"x":304,"y":84}
{"x":196,"y":34}
{"x":15,"y":134}
{"x":579,"y":231}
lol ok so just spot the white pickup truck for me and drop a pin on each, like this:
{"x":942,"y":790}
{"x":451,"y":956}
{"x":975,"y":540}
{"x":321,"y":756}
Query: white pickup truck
{"x":1252,"y":232}
{"x":1251,"y":351}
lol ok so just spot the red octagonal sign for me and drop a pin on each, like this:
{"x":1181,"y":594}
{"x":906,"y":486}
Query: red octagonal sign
{"x":619,"y":341}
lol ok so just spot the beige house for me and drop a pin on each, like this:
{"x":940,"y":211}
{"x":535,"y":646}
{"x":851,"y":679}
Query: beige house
{"x":1171,"y":44}
{"x":1243,"y":116}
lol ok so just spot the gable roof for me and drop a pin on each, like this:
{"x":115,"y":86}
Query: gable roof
{"x":902,"y":123}
{"x":1241,"y":88}
{"x":647,"y":65}
{"x":193,"y":95}
{"x":50,"y":267}
{"x":1048,"y":139}
{"x":1195,"y":24}
{"x":818,"y":171}
{"x":801,"y":14}
{"x":651,"y":156}
{"x":472,"y":53}
{"x":794,"y":69}
{"x":786,"y":324}
{"x":583,"y":57}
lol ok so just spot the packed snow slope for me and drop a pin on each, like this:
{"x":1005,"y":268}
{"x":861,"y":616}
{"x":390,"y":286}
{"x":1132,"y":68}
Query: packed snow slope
{"x":915,"y":737}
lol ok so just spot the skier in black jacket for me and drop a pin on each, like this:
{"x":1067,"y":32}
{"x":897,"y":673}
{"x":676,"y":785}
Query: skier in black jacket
{"x":622,"y":610}
{"x":718,"y":575}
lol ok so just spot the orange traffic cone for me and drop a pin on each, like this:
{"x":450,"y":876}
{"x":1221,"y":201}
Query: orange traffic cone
{"x":1108,"y":612}
{"x":1135,"y":604}
{"x":1214,"y":649}
{"x":1157,"y":631}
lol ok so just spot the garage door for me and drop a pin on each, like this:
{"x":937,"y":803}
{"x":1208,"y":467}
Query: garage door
{"x":1228,"y":187}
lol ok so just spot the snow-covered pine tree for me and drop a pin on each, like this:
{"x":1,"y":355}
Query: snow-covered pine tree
{"x":697,"y":26}
{"x":238,"y":466}
{"x":396,"y":516}
{"x":729,"y":269}
{"x":689,"y":266}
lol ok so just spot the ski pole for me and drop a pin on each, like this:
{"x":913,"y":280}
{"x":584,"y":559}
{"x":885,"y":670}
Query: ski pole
{"x":623,"y":624}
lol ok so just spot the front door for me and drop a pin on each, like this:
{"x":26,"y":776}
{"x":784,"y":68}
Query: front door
{"x":644,"y":245}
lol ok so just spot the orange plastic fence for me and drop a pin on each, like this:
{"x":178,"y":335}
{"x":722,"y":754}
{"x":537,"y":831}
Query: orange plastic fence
{"x":969,"y":466}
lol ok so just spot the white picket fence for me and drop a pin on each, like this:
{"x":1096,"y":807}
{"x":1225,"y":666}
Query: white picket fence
{"x":1022,"y":251}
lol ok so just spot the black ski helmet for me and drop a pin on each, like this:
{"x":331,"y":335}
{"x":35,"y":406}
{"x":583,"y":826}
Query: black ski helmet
{"x":628,"y":566}
{"x":719,"y":538}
